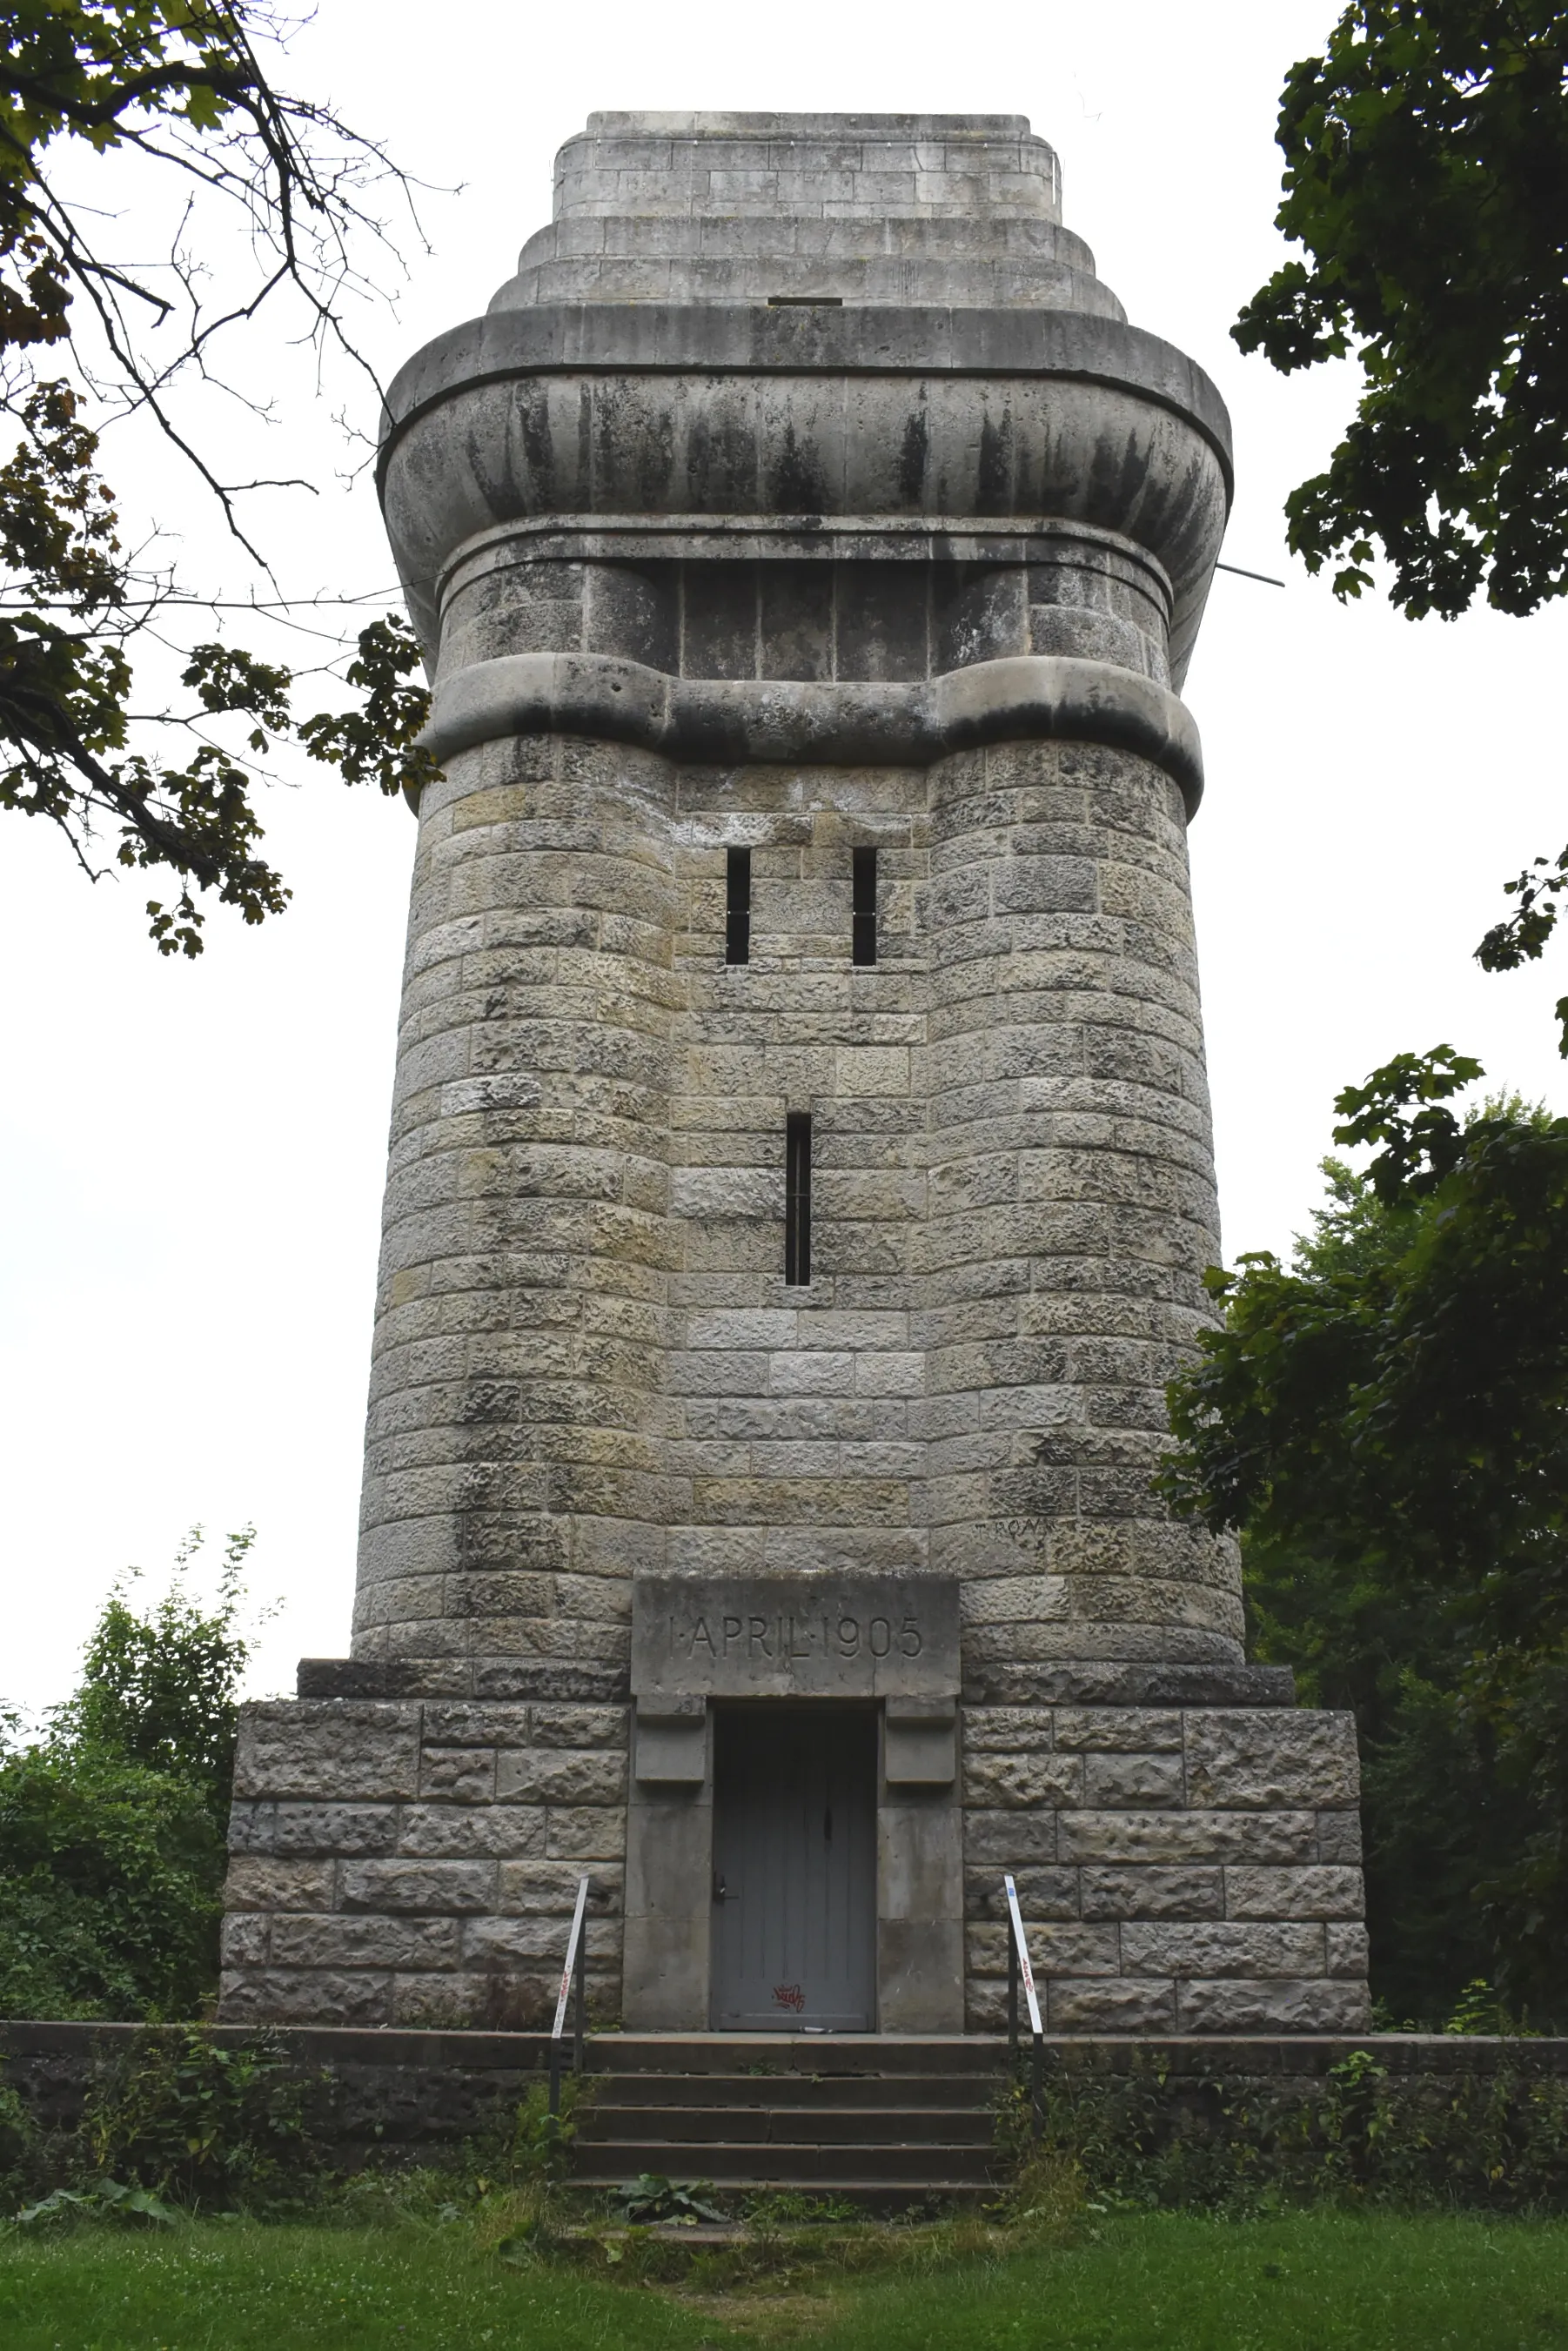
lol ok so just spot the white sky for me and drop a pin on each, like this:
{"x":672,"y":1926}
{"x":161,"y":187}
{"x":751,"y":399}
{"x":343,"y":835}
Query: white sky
{"x":190,"y":1155}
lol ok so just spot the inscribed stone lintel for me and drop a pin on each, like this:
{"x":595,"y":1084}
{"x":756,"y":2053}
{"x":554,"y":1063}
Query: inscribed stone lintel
{"x":843,"y":1637}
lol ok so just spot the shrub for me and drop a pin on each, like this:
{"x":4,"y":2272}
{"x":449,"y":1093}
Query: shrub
{"x":111,"y":1878}
{"x":1495,"y":2140}
{"x":202,"y":2123}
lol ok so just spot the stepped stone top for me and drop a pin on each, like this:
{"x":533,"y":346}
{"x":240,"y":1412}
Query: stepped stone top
{"x":956,"y":210}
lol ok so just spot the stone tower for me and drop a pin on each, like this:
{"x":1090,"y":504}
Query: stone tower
{"x":800,"y":1176}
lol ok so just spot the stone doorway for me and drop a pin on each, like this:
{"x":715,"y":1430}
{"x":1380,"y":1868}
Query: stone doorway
{"x":794,"y":1868}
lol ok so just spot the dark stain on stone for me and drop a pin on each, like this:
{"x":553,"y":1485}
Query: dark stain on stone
{"x":798,"y":485}
{"x":994,"y":482}
{"x":538,"y":446}
{"x":911,"y":474}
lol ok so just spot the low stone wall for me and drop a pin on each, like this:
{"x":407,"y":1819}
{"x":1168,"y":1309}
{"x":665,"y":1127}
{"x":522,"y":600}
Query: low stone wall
{"x":391,"y":2097}
{"x":375,"y":2096}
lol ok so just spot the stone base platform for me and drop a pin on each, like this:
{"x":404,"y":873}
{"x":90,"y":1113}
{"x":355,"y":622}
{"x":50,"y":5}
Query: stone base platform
{"x":1185,"y":1840}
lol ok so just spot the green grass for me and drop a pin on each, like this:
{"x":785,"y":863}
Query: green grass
{"x":1166,"y":2282}
{"x":243,"y":2287}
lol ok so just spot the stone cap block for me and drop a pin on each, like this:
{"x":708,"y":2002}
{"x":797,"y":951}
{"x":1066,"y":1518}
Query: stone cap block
{"x":1095,"y":1682}
{"x":767,"y":1636}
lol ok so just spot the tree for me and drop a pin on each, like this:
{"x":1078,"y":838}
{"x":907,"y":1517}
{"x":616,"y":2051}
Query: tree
{"x":162,"y":1689}
{"x":113,"y":1825}
{"x":1427,"y":176}
{"x":180,"y":85}
{"x":1385,"y":1421}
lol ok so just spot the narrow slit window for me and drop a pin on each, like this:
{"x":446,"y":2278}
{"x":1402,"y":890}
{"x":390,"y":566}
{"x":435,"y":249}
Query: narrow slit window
{"x":797,"y":1199}
{"x":738,"y":906}
{"x":863,"y":943}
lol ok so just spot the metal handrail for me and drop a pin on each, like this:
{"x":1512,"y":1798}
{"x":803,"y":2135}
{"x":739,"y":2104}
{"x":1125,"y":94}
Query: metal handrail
{"x":1017,"y":1965}
{"x":573,"y":1977}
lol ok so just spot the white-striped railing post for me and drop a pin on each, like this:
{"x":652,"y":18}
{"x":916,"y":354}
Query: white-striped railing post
{"x":571,"y":1976}
{"x":1020,"y":1970}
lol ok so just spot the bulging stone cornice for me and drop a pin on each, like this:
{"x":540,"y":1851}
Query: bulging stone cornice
{"x":1027,"y":697}
{"x":814,"y":412}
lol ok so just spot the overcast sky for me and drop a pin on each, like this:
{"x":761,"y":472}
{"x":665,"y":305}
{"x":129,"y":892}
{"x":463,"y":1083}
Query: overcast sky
{"x":192,"y":1154}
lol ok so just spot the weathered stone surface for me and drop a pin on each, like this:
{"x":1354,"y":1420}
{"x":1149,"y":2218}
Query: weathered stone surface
{"x":329,"y":1749}
{"x":1294,"y":1894}
{"x":1152,"y":1892}
{"x":1274,"y":2006}
{"x":559,"y":1776}
{"x":345,"y":1942}
{"x":1042,"y":1894}
{"x":1022,"y":1781}
{"x":263,"y":1882}
{"x":1266,"y":1759}
{"x":463,"y":1775}
{"x":1172,"y":1836}
{"x":442,"y":1888}
{"x":1113,"y":1727}
{"x":1213,"y":1947}
{"x":1132,"y":1779}
{"x":313,"y":1828}
{"x":1347,"y":1949}
{"x":1339,"y":1838}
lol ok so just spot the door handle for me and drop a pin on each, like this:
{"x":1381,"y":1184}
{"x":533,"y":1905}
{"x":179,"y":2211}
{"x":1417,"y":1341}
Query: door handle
{"x":721,"y":1892}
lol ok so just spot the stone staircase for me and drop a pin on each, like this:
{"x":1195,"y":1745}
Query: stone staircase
{"x":873,"y":2120}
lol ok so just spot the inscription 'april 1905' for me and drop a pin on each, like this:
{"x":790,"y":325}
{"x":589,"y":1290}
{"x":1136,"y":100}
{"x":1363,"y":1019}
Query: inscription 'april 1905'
{"x":858,"y":1636}
{"x":792,"y":1637}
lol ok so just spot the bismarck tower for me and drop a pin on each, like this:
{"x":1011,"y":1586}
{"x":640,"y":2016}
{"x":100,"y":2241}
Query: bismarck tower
{"x":801,"y":1177}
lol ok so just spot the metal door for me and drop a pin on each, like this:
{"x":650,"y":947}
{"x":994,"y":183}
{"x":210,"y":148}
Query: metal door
{"x":794,"y":1881}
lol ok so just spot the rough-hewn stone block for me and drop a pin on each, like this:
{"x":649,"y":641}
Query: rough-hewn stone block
{"x":1273,"y":2006}
{"x":1113,"y":1727}
{"x":265,"y":1882}
{"x":1132,"y":1780}
{"x":1022,"y":1781}
{"x":561,"y":1776}
{"x":1321,"y":1893}
{"x":332,"y":1749}
{"x":1217,"y":1948}
{"x":1152,"y":1892}
{"x":1181,"y":1836}
{"x":443,"y":1889}
{"x":1269,"y":1759}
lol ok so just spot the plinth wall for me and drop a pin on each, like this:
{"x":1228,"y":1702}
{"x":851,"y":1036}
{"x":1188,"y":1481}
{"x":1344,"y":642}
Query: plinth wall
{"x":1191,"y":1870}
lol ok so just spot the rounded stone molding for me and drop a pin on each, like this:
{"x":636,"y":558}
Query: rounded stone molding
{"x":1032,"y":697}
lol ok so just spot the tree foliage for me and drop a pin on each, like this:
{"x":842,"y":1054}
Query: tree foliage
{"x":1427,"y":176}
{"x":161,"y":1690}
{"x":113,"y":1825}
{"x":1385,"y":1421}
{"x":180,"y":86}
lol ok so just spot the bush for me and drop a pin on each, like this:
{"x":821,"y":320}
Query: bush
{"x":205,"y":2124}
{"x":112,"y":1827}
{"x":111,"y":1880}
{"x":1494,"y":2140}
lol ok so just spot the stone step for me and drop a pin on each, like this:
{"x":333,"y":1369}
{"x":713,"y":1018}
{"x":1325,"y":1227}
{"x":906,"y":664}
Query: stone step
{"x":869,"y":2054}
{"x":820,"y":2126}
{"x":869,"y":2092}
{"x":873,"y":2195}
{"x":749,"y":2163}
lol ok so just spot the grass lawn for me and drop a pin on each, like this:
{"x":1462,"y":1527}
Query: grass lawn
{"x":1167,"y":2281}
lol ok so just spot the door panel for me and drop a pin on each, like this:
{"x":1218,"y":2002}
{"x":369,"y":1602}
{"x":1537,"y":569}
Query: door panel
{"x":794,"y":1842}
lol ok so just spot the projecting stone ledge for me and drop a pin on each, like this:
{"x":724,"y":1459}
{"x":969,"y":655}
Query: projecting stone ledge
{"x":1030,"y":697}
